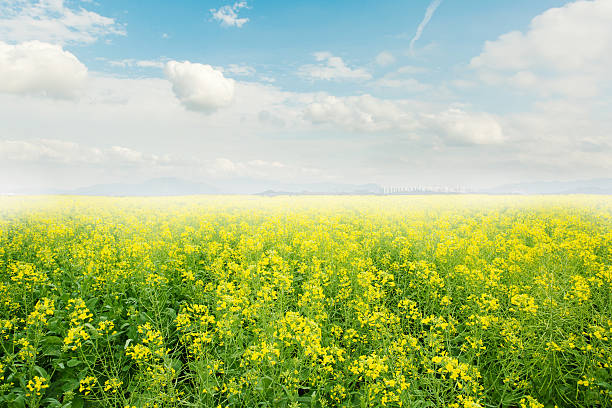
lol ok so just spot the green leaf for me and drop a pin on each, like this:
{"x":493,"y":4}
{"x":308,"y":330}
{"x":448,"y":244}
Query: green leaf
{"x":73,"y":362}
{"x":176,"y":365}
{"x":41,"y":371}
{"x":52,"y":402}
{"x":77,"y":402}
{"x":49,"y":340}
{"x":19,"y":402}
{"x":52,"y":352}
{"x":70,"y":385}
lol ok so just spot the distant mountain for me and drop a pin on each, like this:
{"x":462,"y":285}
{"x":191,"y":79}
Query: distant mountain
{"x":593,"y":186}
{"x":165,"y":186}
{"x":170,"y":186}
{"x":325,"y":188}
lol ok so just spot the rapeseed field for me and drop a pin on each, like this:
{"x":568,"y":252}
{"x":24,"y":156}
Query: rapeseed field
{"x":393,"y":301}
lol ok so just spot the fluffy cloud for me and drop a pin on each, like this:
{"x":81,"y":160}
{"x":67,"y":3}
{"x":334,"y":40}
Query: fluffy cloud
{"x":385,"y":58}
{"x":228,"y":15}
{"x":224,"y":167}
{"x":52,"y":21}
{"x":133,"y":63}
{"x":332,"y":68}
{"x":40,"y":68}
{"x":366,"y":113}
{"x":411,"y":70}
{"x":278,"y":135}
{"x":70,"y":153}
{"x":200,"y":87}
{"x":566,"y":50}
{"x":63,"y":154}
{"x":405,"y":84}
{"x":457,"y":126}
{"x":240,"y":70}
{"x":363,"y":113}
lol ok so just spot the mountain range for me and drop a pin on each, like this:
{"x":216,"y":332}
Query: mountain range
{"x":170,"y":186}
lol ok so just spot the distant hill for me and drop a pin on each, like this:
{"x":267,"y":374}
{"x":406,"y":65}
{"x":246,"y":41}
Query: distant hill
{"x":325,"y":188}
{"x":165,"y":186}
{"x":593,"y":186}
{"x":170,"y":186}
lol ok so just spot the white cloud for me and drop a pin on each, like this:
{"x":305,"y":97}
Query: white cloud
{"x":411,"y":70}
{"x":566,"y":50}
{"x":333,"y":68}
{"x":224,"y":167}
{"x":363,"y":113}
{"x":278,"y":135}
{"x":200,"y":87}
{"x":70,"y":153}
{"x":38,"y":68}
{"x":556,"y":129}
{"x":405,"y":84}
{"x":369,"y":114}
{"x":385,"y":58}
{"x":458,"y":126}
{"x":53,"y":21}
{"x":398,"y":80}
{"x":257,"y":169}
{"x":228,"y":15}
{"x":462,"y":83}
{"x":431,"y":9}
{"x":240,"y":70}
{"x":43,"y":150}
{"x":133,"y":63}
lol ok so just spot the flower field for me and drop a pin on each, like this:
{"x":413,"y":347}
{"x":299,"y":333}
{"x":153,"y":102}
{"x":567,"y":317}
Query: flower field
{"x":413,"y":301}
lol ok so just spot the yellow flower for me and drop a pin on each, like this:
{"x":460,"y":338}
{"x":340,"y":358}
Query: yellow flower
{"x":43,"y":309}
{"x":36,"y":385}
{"x":112,"y":385}
{"x":86,"y":384}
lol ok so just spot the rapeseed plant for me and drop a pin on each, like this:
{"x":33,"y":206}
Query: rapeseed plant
{"x":306,"y":301}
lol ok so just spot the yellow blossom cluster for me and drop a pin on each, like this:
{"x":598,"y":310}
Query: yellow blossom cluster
{"x":459,"y":301}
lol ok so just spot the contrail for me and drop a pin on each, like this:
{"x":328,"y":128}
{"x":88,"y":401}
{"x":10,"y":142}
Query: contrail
{"x":431,"y":9}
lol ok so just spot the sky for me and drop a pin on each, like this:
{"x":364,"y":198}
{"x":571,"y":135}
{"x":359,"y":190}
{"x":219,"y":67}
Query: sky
{"x":399,"y":93}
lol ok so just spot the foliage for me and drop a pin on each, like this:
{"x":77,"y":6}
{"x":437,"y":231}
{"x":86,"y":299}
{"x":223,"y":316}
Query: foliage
{"x":461,"y":301}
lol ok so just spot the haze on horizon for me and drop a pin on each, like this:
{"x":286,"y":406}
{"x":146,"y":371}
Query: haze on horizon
{"x":405,"y":93}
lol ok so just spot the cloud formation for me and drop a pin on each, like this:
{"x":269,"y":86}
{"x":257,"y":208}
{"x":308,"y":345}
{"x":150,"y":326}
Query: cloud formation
{"x":134,"y":63}
{"x":240,"y":70}
{"x":199,"y":87}
{"x":457,"y":126}
{"x":63,"y":154}
{"x":228,"y":15}
{"x":53,"y":21}
{"x":404,"y":84}
{"x":38,"y":68}
{"x":332,"y":68}
{"x":363,"y":113}
{"x":385,"y":58}
{"x":70,"y":153}
{"x":565,"y":51}
{"x":431,"y":9}
{"x":368,"y":114}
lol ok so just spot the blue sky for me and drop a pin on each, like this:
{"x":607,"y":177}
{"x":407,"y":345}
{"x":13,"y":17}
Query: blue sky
{"x":282,"y":36}
{"x":304,"y":91}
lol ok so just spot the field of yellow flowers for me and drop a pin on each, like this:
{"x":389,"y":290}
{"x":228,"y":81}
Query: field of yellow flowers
{"x":414,"y":301}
